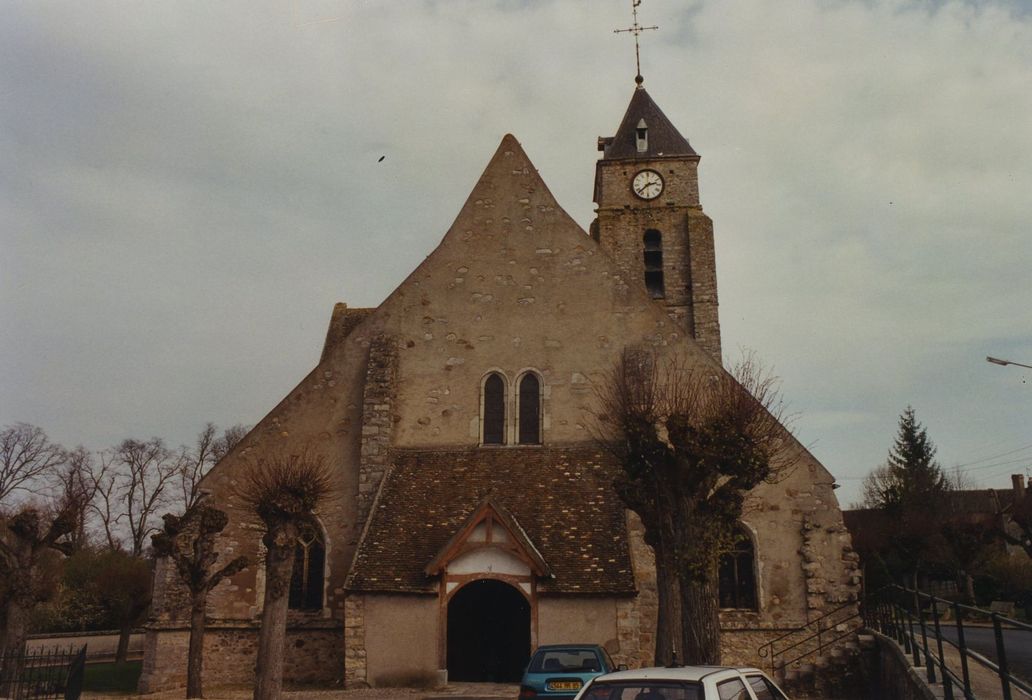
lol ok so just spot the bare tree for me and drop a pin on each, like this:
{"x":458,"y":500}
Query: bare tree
{"x":692,"y":442}
{"x":1020,"y":513}
{"x":25,"y":538}
{"x":209,"y":448}
{"x":26,"y":456}
{"x":131,"y":484}
{"x":284,"y":493}
{"x":189,"y":540}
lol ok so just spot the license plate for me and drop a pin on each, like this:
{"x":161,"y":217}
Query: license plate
{"x":564,"y":685}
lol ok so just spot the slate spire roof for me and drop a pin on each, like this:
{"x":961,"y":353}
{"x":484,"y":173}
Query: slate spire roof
{"x":663,"y":137}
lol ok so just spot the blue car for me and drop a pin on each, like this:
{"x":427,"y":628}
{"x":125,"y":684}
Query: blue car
{"x":559,"y":671}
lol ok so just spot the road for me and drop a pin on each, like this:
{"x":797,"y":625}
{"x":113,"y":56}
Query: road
{"x":1017,"y":645}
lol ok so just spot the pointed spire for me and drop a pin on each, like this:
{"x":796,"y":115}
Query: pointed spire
{"x":660,"y":137}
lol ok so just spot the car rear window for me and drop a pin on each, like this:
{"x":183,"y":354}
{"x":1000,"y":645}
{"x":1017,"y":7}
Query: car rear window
{"x":643,"y":690}
{"x":733,"y":689}
{"x":764,"y":689}
{"x":565,"y":661}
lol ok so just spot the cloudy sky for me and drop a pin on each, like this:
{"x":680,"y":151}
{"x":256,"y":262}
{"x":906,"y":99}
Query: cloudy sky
{"x":187,"y":188}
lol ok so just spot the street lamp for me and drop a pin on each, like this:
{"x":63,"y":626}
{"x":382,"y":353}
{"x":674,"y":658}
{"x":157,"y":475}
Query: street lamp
{"x":998,"y":361}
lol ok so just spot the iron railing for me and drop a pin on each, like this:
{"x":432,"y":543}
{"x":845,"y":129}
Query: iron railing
{"x":813,"y":638}
{"x":915,"y":620}
{"x":42,"y":674}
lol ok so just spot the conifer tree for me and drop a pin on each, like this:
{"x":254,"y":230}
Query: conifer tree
{"x":911,"y":478}
{"x":912,"y":490}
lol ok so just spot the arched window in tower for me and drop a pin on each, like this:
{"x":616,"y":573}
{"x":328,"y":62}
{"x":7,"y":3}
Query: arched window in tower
{"x":653,"y":240}
{"x":493,"y":411}
{"x":306,"y":583}
{"x":738,"y":574}
{"x":529,"y":432}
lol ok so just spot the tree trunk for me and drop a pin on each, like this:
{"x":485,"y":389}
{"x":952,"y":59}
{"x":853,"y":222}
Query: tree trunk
{"x":967,"y":586}
{"x":195,"y":657}
{"x":279,"y":565}
{"x":668,"y":619}
{"x":122,"y":652}
{"x":701,"y":619}
{"x":15,"y":624}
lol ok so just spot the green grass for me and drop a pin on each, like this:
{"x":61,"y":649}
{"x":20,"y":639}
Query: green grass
{"x":112,"y":677}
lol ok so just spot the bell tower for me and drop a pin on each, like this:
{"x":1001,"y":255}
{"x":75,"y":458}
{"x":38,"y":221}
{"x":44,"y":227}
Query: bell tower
{"x":650,"y":220}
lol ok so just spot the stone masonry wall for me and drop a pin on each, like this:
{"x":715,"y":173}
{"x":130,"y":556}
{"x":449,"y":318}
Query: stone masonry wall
{"x":377,"y":420}
{"x":636,"y":617}
{"x":805,"y":568}
{"x":312,"y":655}
{"x":689,"y":264}
{"x":355,"y":668}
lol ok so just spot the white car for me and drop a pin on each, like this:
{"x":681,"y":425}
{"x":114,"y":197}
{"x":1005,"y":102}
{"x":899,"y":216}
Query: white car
{"x":683,"y":683}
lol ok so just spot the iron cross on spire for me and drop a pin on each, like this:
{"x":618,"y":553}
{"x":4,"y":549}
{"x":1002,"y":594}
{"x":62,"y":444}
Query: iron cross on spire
{"x":636,"y":29}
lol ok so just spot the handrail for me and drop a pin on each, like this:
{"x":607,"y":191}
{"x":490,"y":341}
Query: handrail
{"x":894,"y":610}
{"x":767,"y":649}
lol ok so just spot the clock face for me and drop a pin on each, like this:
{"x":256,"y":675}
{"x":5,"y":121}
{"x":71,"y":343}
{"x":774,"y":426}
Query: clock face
{"x":647,"y":184}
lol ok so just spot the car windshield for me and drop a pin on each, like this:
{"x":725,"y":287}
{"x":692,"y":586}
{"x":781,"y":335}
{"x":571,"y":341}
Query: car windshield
{"x":644,"y":690}
{"x":565,"y":661}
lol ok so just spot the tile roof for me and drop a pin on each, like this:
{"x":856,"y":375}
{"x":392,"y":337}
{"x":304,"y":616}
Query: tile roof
{"x":562,"y":497}
{"x":663,"y":137}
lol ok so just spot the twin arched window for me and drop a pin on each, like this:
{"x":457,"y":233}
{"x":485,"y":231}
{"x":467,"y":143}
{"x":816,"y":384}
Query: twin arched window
{"x":494,"y":411}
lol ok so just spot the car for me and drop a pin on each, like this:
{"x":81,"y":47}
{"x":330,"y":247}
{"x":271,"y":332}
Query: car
{"x":684,"y":683}
{"x":559,"y":671}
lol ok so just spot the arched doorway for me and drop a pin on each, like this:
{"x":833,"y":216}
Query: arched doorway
{"x":488,"y":633}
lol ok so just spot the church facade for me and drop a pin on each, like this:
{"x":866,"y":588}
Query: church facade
{"x":473,"y":517}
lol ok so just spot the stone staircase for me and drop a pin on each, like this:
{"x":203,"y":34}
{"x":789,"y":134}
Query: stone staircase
{"x":838,"y":671}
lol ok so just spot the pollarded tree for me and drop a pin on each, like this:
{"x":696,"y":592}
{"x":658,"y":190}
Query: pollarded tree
{"x":692,"y":443}
{"x":26,"y":538}
{"x":189,"y":541}
{"x":284,"y":493}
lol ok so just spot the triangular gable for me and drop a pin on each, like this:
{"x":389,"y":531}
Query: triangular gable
{"x":490,"y":514}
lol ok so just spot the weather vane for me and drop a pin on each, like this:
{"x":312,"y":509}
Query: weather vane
{"x":636,"y":29}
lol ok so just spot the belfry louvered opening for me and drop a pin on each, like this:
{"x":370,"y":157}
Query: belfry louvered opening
{"x":653,"y":241}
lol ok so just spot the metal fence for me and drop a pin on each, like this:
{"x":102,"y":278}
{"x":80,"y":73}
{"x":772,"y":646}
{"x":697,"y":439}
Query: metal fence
{"x":920,"y":623}
{"x":42,"y":673}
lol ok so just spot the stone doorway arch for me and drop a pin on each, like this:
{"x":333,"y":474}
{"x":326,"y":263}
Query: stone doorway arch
{"x":488,"y":634}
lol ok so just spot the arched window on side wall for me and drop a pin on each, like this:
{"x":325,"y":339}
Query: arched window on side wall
{"x":738,"y":575}
{"x":306,"y":583}
{"x":493,"y":416}
{"x":530,"y":410}
{"x":653,"y":241}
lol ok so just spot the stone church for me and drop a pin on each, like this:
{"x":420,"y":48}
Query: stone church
{"x":473,"y":517}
